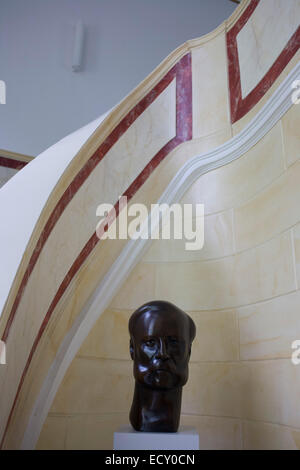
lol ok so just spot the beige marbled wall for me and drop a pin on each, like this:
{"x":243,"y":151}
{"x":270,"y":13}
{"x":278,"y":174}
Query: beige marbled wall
{"x":210,"y":87}
{"x":263,"y":38}
{"x":124,"y":161}
{"x":242,"y":290}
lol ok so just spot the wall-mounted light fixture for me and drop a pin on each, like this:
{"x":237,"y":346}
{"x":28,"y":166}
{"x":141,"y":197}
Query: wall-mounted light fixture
{"x":2,"y":92}
{"x":78,"y":46}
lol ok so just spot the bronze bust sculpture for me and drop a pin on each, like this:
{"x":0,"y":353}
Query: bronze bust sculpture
{"x":161,"y":336}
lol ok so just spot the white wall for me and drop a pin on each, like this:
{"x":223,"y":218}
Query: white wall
{"x":6,"y":174}
{"x":125,"y":41}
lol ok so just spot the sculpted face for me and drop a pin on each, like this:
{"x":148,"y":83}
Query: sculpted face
{"x":160,"y":345}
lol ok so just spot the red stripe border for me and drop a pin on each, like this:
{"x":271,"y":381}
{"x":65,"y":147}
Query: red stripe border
{"x":183,"y":72}
{"x":240,"y":106}
{"x":12,"y":163}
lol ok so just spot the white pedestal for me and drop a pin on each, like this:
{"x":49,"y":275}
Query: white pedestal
{"x":126,"y":438}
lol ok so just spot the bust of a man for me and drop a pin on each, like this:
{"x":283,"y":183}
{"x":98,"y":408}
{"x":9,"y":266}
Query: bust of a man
{"x":161,"y":337}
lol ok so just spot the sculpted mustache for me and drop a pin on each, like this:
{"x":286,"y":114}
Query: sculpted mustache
{"x":163,"y":365}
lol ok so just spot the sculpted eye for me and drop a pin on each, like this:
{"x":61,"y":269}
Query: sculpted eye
{"x":173,"y":340}
{"x":150,"y":343}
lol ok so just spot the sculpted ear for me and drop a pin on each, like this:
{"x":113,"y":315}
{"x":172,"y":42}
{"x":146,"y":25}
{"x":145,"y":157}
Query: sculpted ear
{"x":131,"y":349}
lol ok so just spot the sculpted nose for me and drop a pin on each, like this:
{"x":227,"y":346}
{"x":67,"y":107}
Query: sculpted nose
{"x":162,"y":352}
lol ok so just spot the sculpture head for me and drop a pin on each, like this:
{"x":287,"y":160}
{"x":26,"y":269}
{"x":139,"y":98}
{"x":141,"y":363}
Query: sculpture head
{"x":161,"y":336}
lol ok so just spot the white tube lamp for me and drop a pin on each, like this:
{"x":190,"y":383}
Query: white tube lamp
{"x":78,"y":47}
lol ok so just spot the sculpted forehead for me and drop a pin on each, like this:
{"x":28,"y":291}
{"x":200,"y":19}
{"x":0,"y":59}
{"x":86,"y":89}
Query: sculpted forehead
{"x":160,"y":323}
